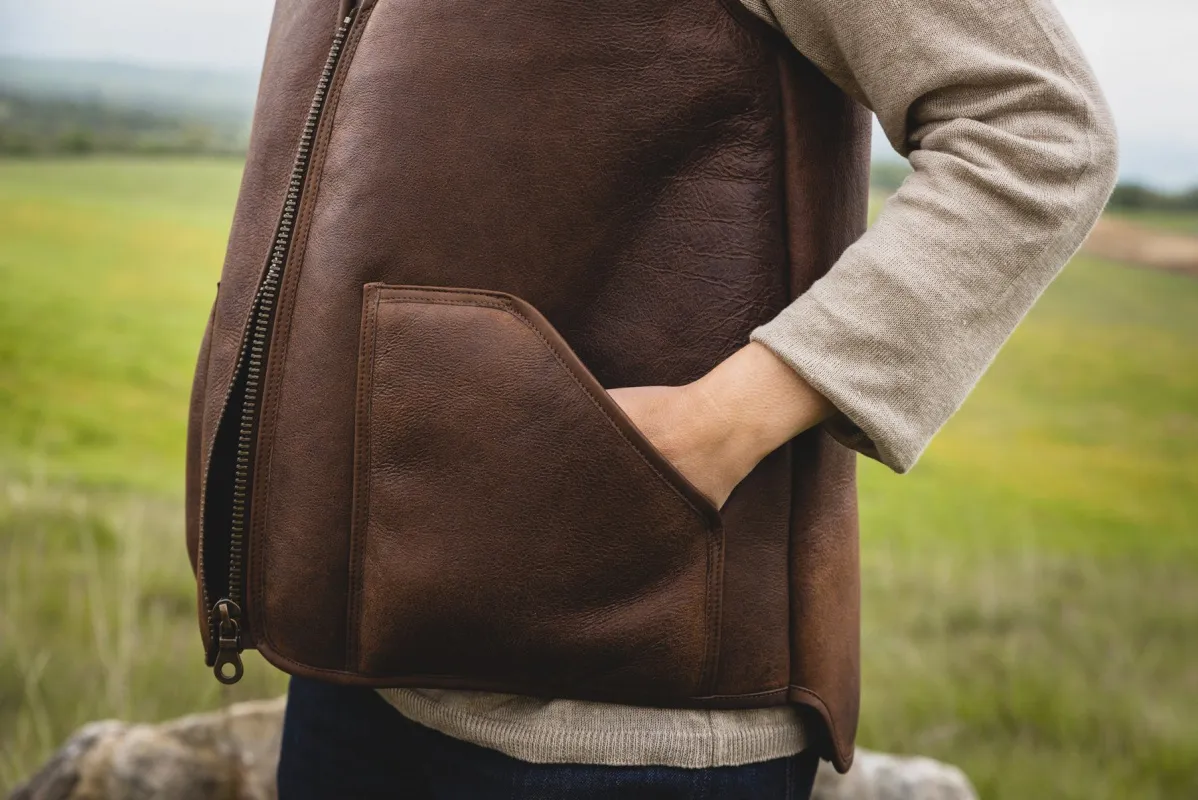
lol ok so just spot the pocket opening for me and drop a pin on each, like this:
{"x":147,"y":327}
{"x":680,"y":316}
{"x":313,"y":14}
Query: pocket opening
{"x":591,"y":558}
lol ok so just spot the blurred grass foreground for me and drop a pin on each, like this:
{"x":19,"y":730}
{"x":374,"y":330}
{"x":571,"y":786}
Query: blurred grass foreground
{"x":1031,"y":590}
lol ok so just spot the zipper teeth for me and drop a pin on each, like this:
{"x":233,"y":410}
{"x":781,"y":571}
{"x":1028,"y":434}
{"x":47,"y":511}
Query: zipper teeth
{"x":253,"y":355}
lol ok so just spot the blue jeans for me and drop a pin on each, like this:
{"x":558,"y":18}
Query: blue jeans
{"x":346,"y":743}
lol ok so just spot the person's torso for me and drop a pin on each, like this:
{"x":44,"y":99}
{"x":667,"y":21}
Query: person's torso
{"x":410,"y":485}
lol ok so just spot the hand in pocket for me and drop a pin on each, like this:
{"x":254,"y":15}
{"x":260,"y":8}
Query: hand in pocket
{"x":715,"y":430}
{"x":689,"y":432}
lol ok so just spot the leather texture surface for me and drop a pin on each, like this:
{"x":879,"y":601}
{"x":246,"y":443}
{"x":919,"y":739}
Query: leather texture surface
{"x":485,"y":450}
{"x":440,"y":497}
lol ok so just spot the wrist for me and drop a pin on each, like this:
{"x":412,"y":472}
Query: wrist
{"x":716,"y":429}
{"x":753,"y":403}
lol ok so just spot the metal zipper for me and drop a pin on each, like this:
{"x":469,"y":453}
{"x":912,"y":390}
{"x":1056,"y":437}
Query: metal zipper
{"x":224,"y":616}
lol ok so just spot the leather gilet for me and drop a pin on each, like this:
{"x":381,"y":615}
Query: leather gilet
{"x":403,"y":468}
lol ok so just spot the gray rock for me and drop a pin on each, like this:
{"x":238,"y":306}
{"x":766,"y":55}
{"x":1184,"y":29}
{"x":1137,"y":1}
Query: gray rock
{"x":880,"y":776}
{"x":231,"y":755}
{"x":226,"y":755}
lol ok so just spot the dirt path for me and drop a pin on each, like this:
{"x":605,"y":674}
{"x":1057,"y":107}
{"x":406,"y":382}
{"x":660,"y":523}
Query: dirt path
{"x":1122,"y":240}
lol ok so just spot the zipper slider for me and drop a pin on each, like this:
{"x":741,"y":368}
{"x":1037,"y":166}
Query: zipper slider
{"x":225,"y":645}
{"x":346,"y":7}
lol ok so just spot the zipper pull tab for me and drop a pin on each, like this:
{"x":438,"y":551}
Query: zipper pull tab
{"x":226,"y":642}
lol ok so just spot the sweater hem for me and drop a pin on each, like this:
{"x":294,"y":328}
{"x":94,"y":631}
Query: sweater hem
{"x":611,"y":741}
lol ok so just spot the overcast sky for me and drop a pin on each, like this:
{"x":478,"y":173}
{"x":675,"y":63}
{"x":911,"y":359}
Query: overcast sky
{"x":1145,"y":53}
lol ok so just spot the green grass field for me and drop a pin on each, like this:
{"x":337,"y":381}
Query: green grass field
{"x":1170,"y":221}
{"x":1031,"y":589}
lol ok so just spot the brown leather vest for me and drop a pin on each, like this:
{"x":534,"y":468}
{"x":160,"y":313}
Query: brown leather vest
{"x":394,"y":483}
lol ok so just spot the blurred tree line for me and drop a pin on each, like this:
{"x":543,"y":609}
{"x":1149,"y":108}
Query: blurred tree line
{"x":32,"y":125}
{"x":888,"y":174}
{"x":1133,"y":196}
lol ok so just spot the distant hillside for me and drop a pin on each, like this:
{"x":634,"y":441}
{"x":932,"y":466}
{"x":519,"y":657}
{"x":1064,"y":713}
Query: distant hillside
{"x":44,"y":125}
{"x":207,"y":93}
{"x":80,"y":107}
{"x":887,"y":172}
{"x":56,"y":106}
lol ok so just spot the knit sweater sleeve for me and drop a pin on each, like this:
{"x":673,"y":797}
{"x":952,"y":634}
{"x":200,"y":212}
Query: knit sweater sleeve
{"x":1014,"y":157}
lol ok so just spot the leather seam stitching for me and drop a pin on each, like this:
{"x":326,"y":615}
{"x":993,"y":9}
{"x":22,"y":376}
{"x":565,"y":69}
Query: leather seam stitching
{"x":309,"y":668}
{"x":710,"y":628}
{"x":360,"y":514}
{"x":327,"y":671}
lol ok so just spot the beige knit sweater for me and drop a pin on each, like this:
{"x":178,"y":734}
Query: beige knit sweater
{"x":1014,"y":156}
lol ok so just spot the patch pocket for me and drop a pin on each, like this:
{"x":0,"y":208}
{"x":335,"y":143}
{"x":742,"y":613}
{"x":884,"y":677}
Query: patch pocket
{"x":512,"y":529}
